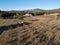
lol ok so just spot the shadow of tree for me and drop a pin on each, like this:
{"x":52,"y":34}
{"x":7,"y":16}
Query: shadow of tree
{"x":13,"y":26}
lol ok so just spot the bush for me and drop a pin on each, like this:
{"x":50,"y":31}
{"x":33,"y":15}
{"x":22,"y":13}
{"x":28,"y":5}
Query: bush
{"x":58,"y":15}
{"x":1,"y":16}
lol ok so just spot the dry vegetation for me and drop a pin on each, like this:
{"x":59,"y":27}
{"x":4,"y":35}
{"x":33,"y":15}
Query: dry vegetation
{"x":41,"y":31}
{"x":4,"y":22}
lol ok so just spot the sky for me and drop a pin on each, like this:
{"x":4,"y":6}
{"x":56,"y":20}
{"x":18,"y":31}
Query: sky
{"x":29,"y":4}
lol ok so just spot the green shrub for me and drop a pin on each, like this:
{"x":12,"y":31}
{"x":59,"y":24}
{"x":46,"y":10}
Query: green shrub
{"x":58,"y":15}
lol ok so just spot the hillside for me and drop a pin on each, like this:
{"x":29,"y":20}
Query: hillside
{"x":37,"y":30}
{"x":13,"y":14}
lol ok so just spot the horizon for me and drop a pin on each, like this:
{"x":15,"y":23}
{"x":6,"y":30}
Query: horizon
{"x":8,"y":5}
{"x":29,"y":9}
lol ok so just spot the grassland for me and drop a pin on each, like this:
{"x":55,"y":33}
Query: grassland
{"x":41,"y":30}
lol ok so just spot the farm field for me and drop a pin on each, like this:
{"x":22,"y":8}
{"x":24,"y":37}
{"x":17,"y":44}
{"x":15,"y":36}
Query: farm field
{"x":37,"y":30}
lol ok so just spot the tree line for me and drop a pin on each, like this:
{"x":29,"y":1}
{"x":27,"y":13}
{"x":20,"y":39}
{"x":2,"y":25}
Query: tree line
{"x":17,"y":14}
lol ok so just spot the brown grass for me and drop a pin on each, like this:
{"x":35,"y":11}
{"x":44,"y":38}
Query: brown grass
{"x":44,"y":31}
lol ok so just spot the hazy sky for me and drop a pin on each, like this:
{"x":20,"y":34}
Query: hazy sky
{"x":28,"y":4}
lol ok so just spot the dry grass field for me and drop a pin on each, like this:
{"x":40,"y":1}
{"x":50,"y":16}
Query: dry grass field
{"x":4,"y":22}
{"x":40,"y":30}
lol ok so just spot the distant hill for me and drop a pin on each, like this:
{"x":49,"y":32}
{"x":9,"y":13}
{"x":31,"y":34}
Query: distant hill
{"x":42,"y":10}
{"x":53,"y":10}
{"x":35,"y":10}
{"x":18,"y":13}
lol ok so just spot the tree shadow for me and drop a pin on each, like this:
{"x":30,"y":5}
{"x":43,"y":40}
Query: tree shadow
{"x":13,"y":26}
{"x":34,"y":19}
